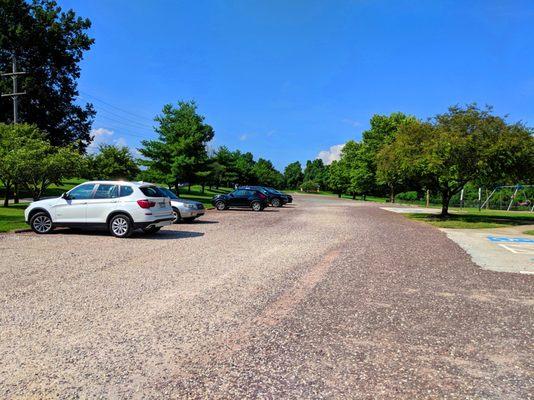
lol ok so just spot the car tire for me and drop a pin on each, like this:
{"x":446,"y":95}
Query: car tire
{"x":121,"y":226}
{"x":256,"y":206}
{"x":276,"y":202}
{"x":41,"y":223}
{"x":152,"y":229}
{"x":177,"y":216}
{"x":220,"y":206}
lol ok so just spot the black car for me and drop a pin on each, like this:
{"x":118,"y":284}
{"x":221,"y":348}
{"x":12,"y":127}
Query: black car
{"x":287,"y":197}
{"x":249,"y":198}
{"x":275,"y":198}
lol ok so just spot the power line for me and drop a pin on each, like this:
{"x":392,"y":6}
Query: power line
{"x":123,"y":118}
{"x":115,"y":107}
{"x":123,"y":121}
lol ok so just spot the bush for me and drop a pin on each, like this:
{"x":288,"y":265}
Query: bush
{"x":309,"y":186}
{"x":408,"y":196}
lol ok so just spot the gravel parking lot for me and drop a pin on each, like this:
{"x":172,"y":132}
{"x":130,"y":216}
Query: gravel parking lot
{"x":325,"y":298}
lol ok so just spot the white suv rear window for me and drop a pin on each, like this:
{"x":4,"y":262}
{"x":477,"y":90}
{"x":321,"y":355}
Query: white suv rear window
{"x":152,"y":191}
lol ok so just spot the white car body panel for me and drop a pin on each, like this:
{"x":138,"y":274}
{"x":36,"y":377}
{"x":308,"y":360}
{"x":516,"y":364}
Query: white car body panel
{"x":91,"y":211}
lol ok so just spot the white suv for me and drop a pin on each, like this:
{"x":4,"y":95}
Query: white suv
{"x":118,"y":206}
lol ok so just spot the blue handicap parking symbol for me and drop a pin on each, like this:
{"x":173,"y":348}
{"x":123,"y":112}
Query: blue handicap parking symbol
{"x":510,"y":239}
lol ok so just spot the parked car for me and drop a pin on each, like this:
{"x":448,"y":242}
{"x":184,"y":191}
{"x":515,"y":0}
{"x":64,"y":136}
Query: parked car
{"x":119,"y":206}
{"x":287,"y":197}
{"x":275,"y":198}
{"x":241,"y":198}
{"x":182,"y":209}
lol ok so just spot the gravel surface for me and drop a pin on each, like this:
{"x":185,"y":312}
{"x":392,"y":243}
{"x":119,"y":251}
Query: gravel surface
{"x":325,"y":298}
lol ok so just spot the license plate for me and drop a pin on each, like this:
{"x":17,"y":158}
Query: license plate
{"x":163,"y":223}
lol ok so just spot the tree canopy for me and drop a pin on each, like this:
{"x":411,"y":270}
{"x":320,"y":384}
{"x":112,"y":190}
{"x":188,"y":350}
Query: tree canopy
{"x":180,"y":149}
{"x":462,"y":145}
{"x":113,"y":162}
{"x":48,"y":44}
{"x":29,"y":160}
{"x":293,"y":175}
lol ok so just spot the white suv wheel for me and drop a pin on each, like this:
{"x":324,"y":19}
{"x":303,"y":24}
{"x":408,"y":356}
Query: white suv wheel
{"x":41,"y":223}
{"x":120,"y":226}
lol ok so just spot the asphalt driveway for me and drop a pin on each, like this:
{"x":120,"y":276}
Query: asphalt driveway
{"x":326,"y":298}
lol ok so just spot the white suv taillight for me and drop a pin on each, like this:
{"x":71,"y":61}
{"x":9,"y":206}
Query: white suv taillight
{"x":146,"y":203}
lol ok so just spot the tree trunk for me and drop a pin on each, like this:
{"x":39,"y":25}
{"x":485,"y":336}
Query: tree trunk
{"x":188,"y":188}
{"x":391,"y":194}
{"x":364,"y":196}
{"x":6,"y":199}
{"x":203,"y":186}
{"x":353,"y":196}
{"x":16,"y":194}
{"x":339,"y":195}
{"x":445,"y":199}
{"x":176,"y":189}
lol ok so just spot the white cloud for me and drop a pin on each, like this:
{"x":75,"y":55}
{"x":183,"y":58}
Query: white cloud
{"x":243,"y":137}
{"x":104,"y":136}
{"x":332,"y":154}
{"x":100,"y":135}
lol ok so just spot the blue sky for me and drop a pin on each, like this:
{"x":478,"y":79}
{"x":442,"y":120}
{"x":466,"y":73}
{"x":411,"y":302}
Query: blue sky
{"x":286,"y":79}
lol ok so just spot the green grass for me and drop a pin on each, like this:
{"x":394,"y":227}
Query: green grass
{"x":12,"y":217}
{"x":197,"y":195}
{"x":474,"y":219}
{"x":376,"y":199}
{"x":531,"y":232}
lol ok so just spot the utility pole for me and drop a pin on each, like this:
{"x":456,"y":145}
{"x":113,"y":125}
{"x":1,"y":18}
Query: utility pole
{"x":14,"y":74}
{"x":15,"y":95}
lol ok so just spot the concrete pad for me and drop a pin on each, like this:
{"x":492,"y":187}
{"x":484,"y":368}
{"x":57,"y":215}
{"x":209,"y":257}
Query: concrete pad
{"x":502,"y":249}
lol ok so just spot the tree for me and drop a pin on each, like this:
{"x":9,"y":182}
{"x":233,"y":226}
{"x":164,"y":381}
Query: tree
{"x":462,"y":145}
{"x":30,"y":160}
{"x":48,"y":165}
{"x":48,"y":44}
{"x":390,"y":171}
{"x":315,"y":171}
{"x":266,"y":174}
{"x":293,"y":175}
{"x":338,"y":177}
{"x":244,"y":167}
{"x":114,"y":162}
{"x":382,"y":132}
{"x":181,"y":145}
{"x":16,"y":145}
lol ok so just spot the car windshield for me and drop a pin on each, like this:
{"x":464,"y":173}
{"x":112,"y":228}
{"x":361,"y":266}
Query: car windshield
{"x":169,"y":193}
{"x":274,"y":191}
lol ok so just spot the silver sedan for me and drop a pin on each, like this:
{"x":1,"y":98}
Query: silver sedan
{"x":182,"y":209}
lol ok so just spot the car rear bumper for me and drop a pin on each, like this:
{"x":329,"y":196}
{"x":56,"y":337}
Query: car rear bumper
{"x":157,"y":222}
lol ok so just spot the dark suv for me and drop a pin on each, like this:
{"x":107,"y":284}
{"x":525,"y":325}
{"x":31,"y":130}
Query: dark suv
{"x":274,"y":197}
{"x":249,"y":198}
